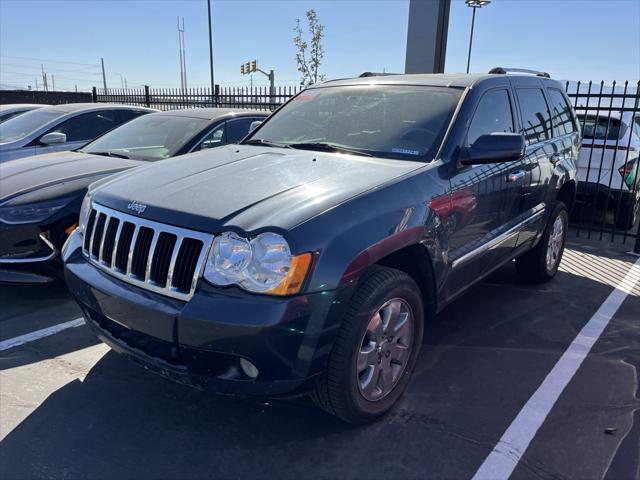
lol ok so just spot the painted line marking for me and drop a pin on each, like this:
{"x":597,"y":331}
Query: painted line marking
{"x":516,"y":439}
{"x":38,"y":334}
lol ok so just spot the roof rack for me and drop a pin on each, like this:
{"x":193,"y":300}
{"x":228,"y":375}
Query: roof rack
{"x":504,"y":71}
{"x":375,"y":74}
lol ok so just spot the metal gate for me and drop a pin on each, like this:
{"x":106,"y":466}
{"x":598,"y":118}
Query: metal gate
{"x":608,"y":167}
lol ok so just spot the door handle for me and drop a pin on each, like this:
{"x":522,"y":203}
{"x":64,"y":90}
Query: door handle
{"x":515,"y":176}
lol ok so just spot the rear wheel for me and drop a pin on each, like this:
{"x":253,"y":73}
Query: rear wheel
{"x":375,"y":350}
{"x":541,"y":263}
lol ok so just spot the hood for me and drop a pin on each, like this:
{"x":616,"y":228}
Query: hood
{"x":247,"y":187}
{"x":32,"y":174}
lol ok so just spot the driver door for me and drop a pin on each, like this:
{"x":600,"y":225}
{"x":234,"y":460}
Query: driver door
{"x":485,"y":198}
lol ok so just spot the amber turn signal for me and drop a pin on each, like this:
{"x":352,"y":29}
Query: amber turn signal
{"x":292,"y":283}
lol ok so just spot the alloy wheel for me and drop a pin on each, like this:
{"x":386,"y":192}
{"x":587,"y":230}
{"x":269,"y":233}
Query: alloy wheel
{"x":554,"y":247}
{"x":385,"y":349}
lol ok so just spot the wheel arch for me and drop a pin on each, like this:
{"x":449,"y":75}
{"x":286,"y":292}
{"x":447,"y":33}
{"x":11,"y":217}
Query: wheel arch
{"x":567,"y":194}
{"x":415,"y":261}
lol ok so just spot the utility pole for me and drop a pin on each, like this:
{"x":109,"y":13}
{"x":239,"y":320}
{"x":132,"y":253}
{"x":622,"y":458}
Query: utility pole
{"x":183,"y":55}
{"x":44,"y":79}
{"x":213,"y":88}
{"x":104,"y":77}
{"x":53,"y":82}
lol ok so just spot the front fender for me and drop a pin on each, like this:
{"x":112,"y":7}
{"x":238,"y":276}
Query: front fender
{"x":353,"y":236}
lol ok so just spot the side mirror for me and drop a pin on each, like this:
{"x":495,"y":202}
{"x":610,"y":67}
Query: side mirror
{"x":53,"y":138}
{"x":494,"y":148}
{"x":255,"y":124}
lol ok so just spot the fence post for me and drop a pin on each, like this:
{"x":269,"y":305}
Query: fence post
{"x":147,"y":96}
{"x":94,"y":95}
{"x":216,"y":95}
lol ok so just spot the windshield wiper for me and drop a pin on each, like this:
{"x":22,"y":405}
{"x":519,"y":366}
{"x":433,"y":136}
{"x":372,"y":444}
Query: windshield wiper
{"x":110,"y":154}
{"x":266,"y":143}
{"x":328,"y":147}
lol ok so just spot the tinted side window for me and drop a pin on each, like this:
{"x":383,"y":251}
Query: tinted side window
{"x":536,"y":120}
{"x":238,"y":129}
{"x":493,"y":115}
{"x":126,"y":115}
{"x":213,"y":139}
{"x":561,"y":117}
{"x":87,"y":126}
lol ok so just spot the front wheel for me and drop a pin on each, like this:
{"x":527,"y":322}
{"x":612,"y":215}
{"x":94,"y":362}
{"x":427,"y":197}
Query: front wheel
{"x":375,"y":350}
{"x":541,"y":263}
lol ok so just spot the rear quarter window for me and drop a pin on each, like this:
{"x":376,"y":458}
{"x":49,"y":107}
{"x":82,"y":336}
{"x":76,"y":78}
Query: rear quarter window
{"x":536,"y":118}
{"x":561,"y":115}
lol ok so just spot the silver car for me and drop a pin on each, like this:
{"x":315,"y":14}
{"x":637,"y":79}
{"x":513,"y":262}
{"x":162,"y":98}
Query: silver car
{"x":60,"y":128}
{"x":14,"y":109}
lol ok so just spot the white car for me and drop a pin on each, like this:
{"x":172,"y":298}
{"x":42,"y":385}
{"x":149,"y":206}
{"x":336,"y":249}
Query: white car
{"x":608,"y":163}
{"x":61,"y":128}
{"x":15,"y":109}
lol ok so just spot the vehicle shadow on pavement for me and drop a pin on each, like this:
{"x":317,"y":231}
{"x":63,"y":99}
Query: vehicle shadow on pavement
{"x":482,"y":358}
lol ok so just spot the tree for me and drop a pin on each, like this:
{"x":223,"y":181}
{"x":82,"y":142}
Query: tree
{"x":309,"y":67}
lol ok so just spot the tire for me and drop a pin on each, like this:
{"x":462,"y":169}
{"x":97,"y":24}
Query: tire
{"x":343,"y":389}
{"x":628,"y":214}
{"x":533,"y":266}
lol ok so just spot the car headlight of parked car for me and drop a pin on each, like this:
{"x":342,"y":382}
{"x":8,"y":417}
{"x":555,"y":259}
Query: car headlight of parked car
{"x":263,"y":264}
{"x":32,"y":212}
{"x":85,"y":210}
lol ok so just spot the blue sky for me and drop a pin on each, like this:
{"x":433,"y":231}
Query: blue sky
{"x":572,"y":39}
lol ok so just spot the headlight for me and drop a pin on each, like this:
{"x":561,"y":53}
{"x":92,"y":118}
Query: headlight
{"x":85,"y":209}
{"x":31,"y":213}
{"x":263,"y":264}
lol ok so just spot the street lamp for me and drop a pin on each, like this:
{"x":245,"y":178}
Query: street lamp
{"x":474,"y":4}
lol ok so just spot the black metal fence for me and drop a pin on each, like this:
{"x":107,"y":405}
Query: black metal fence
{"x":608,"y":168}
{"x":42,"y":97}
{"x":256,"y":98}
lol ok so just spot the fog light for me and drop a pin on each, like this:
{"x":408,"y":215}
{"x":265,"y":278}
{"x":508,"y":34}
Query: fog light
{"x":249,"y":368}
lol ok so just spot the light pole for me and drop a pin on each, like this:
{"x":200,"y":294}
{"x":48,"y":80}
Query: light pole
{"x":474,"y":4}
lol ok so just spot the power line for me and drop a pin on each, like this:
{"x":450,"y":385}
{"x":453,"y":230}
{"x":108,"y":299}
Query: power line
{"x":49,"y":61}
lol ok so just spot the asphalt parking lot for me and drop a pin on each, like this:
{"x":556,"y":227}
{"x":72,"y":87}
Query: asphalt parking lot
{"x":69,"y":408}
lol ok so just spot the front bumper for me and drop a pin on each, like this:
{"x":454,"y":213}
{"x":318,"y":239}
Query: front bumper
{"x":28,"y":255}
{"x":200,"y":342}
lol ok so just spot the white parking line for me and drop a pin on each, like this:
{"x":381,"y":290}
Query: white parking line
{"x":511,"y":447}
{"x":38,"y":334}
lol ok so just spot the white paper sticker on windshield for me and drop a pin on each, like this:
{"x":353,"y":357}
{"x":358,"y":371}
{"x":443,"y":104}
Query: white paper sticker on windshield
{"x":405,"y":151}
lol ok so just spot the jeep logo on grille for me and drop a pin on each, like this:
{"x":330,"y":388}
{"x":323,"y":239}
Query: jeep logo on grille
{"x":137,"y":207}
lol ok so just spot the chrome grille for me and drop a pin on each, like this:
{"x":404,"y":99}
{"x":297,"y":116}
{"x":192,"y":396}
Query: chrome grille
{"x":151,"y":255}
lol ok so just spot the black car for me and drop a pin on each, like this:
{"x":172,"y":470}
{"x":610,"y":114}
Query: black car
{"x":307,"y":258}
{"x":40,"y":196}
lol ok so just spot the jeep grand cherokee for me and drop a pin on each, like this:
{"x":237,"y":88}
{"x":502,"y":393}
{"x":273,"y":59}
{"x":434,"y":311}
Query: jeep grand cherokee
{"x":307,"y":258}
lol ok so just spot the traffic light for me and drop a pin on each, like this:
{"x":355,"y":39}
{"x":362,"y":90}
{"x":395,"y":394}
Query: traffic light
{"x":242,"y":69}
{"x":254,"y":65}
{"x":247,"y":67}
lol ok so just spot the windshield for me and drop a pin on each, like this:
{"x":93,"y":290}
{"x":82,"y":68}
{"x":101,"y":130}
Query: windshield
{"x":406,"y":122}
{"x":22,"y":125}
{"x":150,"y":137}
